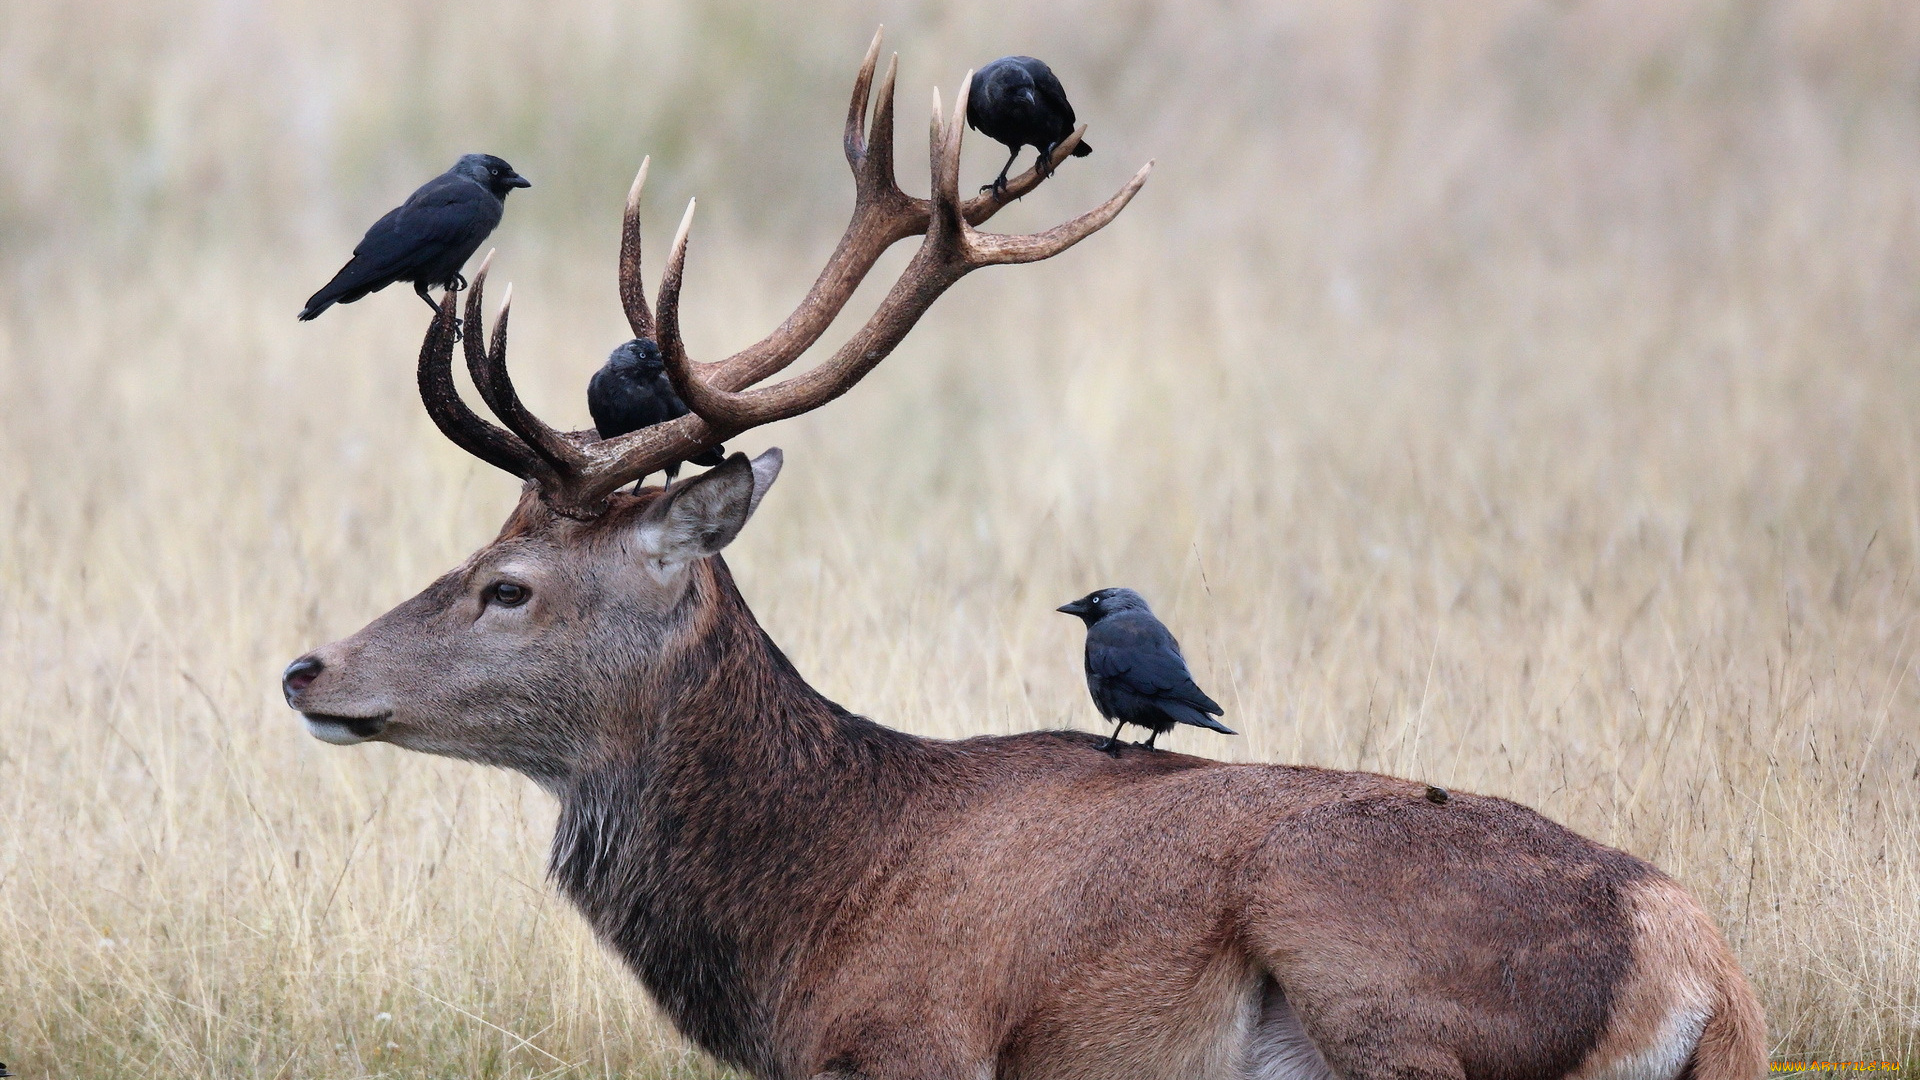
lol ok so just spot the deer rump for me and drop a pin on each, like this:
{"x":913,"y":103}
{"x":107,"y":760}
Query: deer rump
{"x":876,"y":905}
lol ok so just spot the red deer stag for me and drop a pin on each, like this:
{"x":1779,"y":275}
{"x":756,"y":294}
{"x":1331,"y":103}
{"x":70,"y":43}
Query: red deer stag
{"x":809,"y":894}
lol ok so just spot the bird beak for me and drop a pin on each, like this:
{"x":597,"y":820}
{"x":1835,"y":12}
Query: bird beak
{"x":516,"y":180}
{"x":1077,"y":607}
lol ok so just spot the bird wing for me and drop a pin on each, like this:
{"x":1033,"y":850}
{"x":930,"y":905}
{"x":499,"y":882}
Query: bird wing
{"x":1046,"y":86}
{"x":1139,"y":652}
{"x":669,"y":400}
{"x":602,"y":392}
{"x":977,"y":92}
{"x":371,"y":269}
{"x":447,"y":213}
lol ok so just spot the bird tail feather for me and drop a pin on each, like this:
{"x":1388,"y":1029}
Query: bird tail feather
{"x":1082,"y":150}
{"x":1186,"y":714}
{"x":354,"y":281}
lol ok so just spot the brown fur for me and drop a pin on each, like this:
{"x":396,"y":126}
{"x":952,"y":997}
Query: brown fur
{"x":808,"y":893}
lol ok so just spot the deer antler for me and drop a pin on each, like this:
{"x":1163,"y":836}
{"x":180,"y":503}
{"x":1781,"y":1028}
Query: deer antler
{"x":575,"y":473}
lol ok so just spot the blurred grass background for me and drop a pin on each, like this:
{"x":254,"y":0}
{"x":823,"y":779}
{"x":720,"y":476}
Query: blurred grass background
{"x":1515,"y":395}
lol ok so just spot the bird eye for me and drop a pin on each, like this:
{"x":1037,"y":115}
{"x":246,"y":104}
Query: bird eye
{"x":1096,"y":599}
{"x":495,"y":172}
{"x":507,"y":594}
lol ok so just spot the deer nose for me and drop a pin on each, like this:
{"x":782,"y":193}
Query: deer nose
{"x":300,"y":675}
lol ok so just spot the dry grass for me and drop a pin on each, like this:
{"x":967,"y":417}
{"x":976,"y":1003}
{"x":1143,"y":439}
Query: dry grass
{"x":1516,"y":396}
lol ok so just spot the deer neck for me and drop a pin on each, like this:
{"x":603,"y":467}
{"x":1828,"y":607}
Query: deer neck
{"x":714,"y":853}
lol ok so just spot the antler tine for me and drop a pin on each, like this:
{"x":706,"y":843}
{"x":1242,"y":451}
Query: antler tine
{"x":996,"y":248}
{"x":944,"y":156}
{"x":873,"y":177}
{"x":450,"y":414}
{"x":855,"y":138}
{"x":716,"y":408}
{"x":936,"y":140}
{"x":613,"y":463}
{"x":883,"y":215}
{"x":473,"y":342}
{"x":489,"y":370}
{"x":633,"y":291}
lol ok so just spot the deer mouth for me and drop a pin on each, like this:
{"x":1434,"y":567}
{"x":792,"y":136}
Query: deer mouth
{"x":345,"y":730}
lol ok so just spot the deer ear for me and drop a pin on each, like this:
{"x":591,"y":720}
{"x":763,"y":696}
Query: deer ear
{"x":703,"y":515}
{"x":766,"y":469}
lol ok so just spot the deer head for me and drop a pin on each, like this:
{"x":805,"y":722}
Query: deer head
{"x":537,"y":652}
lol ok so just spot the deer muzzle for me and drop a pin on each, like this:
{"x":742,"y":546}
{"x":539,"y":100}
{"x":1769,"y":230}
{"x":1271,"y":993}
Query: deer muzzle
{"x":341,"y":730}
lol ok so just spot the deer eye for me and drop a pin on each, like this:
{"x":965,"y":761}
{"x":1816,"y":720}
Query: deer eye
{"x":507,"y":594}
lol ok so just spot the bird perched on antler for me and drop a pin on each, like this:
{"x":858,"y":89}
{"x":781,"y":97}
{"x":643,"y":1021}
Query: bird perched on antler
{"x":1018,"y":101}
{"x":632,"y":391}
{"x":1135,"y":671}
{"x":428,"y":238}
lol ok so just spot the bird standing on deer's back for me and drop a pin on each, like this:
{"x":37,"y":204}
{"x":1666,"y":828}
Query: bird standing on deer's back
{"x":428,"y":238}
{"x":1135,"y":671}
{"x":1017,"y":101}
{"x":632,"y":391}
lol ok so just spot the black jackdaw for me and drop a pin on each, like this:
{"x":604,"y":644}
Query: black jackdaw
{"x":632,"y":391}
{"x":428,"y":238}
{"x":1135,"y":671}
{"x":1016,"y":101}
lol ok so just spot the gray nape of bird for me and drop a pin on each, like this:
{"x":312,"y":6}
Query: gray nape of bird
{"x":1016,"y":101}
{"x":1135,"y":671}
{"x":428,"y":238}
{"x":632,"y":391}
